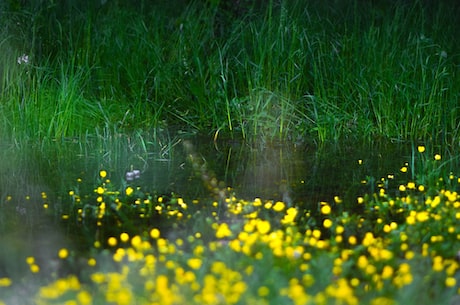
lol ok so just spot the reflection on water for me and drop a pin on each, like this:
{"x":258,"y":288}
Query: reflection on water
{"x":300,"y":175}
{"x":303,"y":174}
{"x":34,"y":183}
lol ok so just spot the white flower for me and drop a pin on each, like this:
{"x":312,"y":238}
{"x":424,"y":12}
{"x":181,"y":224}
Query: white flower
{"x":23,"y":59}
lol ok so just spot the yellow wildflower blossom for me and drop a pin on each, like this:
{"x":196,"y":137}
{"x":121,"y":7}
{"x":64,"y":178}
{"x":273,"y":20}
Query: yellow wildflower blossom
{"x":5,"y":282}
{"x":223,"y":231}
{"x":263,"y":226}
{"x":129,"y":191}
{"x":325,"y":209}
{"x":278,"y":207}
{"x":63,"y":253}
{"x":103,"y":174}
{"x":194,"y":263}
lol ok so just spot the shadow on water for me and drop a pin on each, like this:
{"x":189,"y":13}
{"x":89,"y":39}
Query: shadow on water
{"x":35,"y":183}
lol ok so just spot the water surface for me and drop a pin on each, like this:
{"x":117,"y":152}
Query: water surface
{"x":35,"y":182}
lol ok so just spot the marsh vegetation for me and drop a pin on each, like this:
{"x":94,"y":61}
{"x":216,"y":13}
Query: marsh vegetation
{"x":159,"y":152}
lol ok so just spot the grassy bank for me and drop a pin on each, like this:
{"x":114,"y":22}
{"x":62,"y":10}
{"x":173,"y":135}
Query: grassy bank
{"x":277,"y":70}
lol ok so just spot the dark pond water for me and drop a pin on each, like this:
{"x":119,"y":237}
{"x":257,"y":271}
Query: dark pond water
{"x":302,"y":175}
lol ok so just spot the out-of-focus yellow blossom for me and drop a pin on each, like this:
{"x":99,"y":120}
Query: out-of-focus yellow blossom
{"x":263,"y":226}
{"x":124,"y":237}
{"x":5,"y":282}
{"x":63,"y":253}
{"x":327,"y":223}
{"x":326,"y":209}
{"x":194,"y":263}
{"x":223,"y":231}
{"x":290,"y":216}
{"x":450,"y":281}
{"x":279,"y":206}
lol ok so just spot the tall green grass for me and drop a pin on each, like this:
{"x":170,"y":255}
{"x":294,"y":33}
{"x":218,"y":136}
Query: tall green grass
{"x":277,"y":70}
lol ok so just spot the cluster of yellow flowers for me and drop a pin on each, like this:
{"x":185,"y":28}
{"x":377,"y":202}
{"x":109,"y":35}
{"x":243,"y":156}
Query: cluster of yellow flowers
{"x":259,"y":252}
{"x":251,"y":258}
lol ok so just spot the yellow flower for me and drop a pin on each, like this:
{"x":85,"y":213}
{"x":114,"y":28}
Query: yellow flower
{"x":112,"y":241}
{"x":421,"y":148}
{"x":368,"y":239}
{"x":49,"y":292}
{"x":249,"y":226}
{"x":129,"y":191}
{"x":119,"y":254}
{"x":5,"y":282}
{"x":422,"y":216}
{"x":154,"y":233}
{"x":352,"y":240}
{"x":63,"y":253}
{"x":223,"y":231}
{"x":103,"y":173}
{"x":263,"y":226}
{"x":316,"y":234}
{"x":339,"y":229}
{"x":290,"y":216}
{"x":30,"y":260}
{"x":100,"y":190}
{"x":450,"y":281}
{"x":386,"y":228}
{"x":437,"y":263}
{"x":354,"y":282}
{"x":326,"y":210}
{"x":84,"y":297}
{"x":194,"y":263}
{"x":92,"y":261}
{"x":387,"y":272}
{"x":327,"y":223}
{"x":34,"y":268}
{"x":437,"y":157}
{"x":362,"y":262}
{"x":263,"y":291}
{"x":136,"y":241}
{"x":278,"y":207}
{"x":124,"y":237}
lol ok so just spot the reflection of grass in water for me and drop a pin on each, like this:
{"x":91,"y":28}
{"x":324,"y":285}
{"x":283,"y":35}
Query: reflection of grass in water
{"x":30,"y":188}
{"x":399,"y":250}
